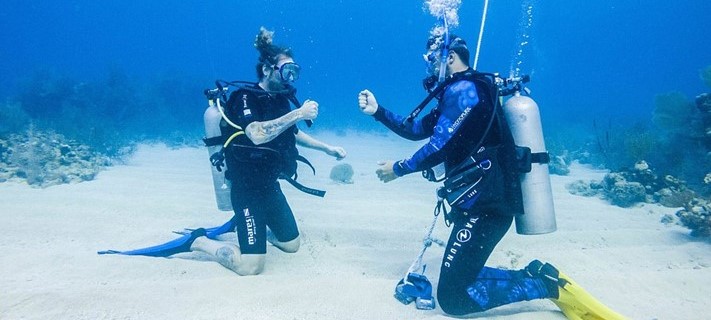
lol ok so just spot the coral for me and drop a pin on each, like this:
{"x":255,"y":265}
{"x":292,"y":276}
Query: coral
{"x":696,"y":216}
{"x":342,"y":173}
{"x":4,"y":150}
{"x":621,"y":192}
{"x":641,"y":165}
{"x":559,"y":166}
{"x":639,"y":184}
{"x":673,"y":199}
{"x":30,"y":158}
{"x":667,"y":219}
{"x":703,"y":103}
{"x":107,"y":115}
{"x":705,"y":188}
{"x":5,"y":153}
{"x":45,"y":159}
{"x":585,"y":189}
{"x":642,"y":173}
{"x":614,"y":146}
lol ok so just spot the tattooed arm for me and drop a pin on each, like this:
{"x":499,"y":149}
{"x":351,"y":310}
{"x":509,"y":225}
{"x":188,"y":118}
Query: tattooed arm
{"x":264,"y":131}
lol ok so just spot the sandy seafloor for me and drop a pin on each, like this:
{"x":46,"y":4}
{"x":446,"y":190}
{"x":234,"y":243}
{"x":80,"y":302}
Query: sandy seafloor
{"x":356,"y":244}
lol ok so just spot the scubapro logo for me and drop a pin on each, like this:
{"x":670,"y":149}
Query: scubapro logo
{"x":459,"y":120}
{"x":464,"y":235}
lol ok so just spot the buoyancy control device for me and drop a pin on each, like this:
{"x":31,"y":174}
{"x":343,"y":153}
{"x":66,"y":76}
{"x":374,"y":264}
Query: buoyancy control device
{"x":214,"y":117}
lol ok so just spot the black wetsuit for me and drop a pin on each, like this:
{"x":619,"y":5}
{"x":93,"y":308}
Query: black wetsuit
{"x":454,"y":128}
{"x":256,"y":195}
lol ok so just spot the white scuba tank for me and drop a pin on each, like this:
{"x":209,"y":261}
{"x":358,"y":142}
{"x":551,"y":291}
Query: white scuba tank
{"x":212,"y":118}
{"x":525,"y":122}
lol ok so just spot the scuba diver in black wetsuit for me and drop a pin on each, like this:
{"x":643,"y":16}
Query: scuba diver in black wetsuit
{"x":256,"y":159}
{"x":467,"y":125}
{"x":259,"y":136}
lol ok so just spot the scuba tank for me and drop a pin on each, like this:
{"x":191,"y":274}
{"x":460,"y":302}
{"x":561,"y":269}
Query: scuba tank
{"x":524,"y":120}
{"x":212,"y":118}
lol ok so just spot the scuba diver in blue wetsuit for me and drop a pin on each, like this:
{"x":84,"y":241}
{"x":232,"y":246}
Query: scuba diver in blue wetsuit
{"x":259,"y":134}
{"x":467,"y":126}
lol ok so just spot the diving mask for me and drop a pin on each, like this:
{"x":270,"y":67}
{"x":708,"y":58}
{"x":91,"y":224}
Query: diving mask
{"x":289,"y":71}
{"x":435,"y":58}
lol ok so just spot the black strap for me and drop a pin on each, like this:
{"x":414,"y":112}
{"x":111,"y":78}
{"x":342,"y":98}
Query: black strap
{"x":289,"y":92}
{"x":302,"y":188}
{"x":214,"y":141}
{"x":305,"y":189}
{"x":304,"y":160}
{"x":295,"y":101}
{"x":469,"y":74}
{"x":415,"y":112}
{"x":494,"y":115}
{"x":467,"y":176}
{"x":540,"y":157}
{"x":435,"y":92}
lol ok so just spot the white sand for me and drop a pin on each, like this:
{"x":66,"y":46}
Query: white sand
{"x":356,"y":244}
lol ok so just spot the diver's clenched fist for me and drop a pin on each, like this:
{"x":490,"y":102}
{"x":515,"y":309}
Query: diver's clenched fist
{"x":367,"y":102}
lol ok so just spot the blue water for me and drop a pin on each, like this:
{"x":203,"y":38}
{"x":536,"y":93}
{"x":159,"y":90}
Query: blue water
{"x":599,"y":59}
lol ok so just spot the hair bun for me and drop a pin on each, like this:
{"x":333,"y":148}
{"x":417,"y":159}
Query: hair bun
{"x":264,"y":38}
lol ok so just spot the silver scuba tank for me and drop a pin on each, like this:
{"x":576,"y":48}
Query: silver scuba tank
{"x":524,"y":120}
{"x":212,"y":118}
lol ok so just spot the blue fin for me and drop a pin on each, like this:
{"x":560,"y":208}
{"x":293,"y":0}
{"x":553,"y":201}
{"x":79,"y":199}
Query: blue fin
{"x":213,"y":232}
{"x":169,"y":248}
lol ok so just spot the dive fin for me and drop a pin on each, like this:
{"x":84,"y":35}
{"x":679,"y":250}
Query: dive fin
{"x":576,"y":303}
{"x":213,"y":232}
{"x":169,"y":248}
{"x":567,"y":310}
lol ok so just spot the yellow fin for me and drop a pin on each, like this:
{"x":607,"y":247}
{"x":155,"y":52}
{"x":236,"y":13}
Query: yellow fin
{"x":576,"y":302}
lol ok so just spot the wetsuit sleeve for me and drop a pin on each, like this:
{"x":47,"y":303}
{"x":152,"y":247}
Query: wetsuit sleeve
{"x":418,"y":129}
{"x":458,"y":101}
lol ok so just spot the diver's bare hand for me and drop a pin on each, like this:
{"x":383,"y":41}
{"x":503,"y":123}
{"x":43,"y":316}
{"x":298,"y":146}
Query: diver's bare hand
{"x":309,"y":110}
{"x":385,"y":172}
{"x":367,"y":102}
{"x":337,"y":152}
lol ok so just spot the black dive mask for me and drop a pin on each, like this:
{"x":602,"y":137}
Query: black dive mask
{"x":435,"y":58}
{"x":289,"y":71}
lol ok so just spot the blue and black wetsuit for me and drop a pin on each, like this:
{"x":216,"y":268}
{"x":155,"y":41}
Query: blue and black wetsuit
{"x":454,"y":128}
{"x":256,"y":195}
